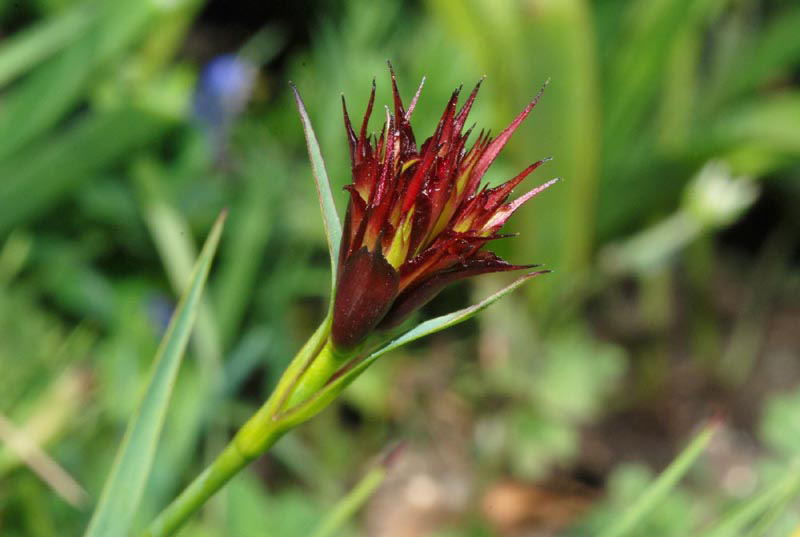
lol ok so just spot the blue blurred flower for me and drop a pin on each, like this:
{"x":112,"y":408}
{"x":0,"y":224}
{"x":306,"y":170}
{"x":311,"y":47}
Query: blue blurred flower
{"x":222,"y":91}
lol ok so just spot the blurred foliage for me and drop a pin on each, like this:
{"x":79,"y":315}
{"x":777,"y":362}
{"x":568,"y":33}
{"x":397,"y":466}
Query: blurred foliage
{"x":675,"y":124}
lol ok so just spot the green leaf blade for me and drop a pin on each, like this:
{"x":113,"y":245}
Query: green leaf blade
{"x":759,"y":511}
{"x":22,"y":52}
{"x":45,"y":173}
{"x":333,"y":227}
{"x":125,"y":484}
{"x":32,"y":108}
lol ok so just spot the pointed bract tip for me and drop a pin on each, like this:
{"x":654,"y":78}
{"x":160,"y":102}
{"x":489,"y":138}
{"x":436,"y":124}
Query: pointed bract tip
{"x":413,"y":103}
{"x":548,"y":184}
{"x":296,"y":93}
{"x":504,"y":236}
{"x":539,"y":93}
{"x":393,"y":454}
{"x":717,"y":419}
{"x":523,"y":267}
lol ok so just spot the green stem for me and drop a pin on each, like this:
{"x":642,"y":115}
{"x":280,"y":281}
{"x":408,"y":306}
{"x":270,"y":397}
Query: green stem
{"x":326,"y":363}
{"x":225,"y":466}
{"x":255,"y":437}
{"x":307,"y":373}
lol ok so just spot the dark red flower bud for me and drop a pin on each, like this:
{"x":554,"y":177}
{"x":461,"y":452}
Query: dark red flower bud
{"x":365,"y":291}
{"x":417,"y":217}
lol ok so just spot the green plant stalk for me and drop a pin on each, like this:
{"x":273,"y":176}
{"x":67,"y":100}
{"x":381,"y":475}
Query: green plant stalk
{"x":326,"y":364}
{"x":309,"y":372}
{"x":224,"y":467}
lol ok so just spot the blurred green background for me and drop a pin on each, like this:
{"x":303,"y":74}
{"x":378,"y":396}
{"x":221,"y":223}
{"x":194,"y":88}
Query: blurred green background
{"x":125,"y":127}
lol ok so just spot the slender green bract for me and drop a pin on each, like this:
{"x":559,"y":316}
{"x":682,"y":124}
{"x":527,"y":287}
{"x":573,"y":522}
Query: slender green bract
{"x":125,"y":484}
{"x":333,"y":227}
{"x":338,"y":383}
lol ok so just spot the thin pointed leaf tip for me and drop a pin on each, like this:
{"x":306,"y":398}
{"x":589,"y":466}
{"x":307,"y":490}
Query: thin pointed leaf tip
{"x":418,"y":217}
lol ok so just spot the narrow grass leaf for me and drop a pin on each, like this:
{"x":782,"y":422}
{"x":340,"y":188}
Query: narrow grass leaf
{"x":35,"y":179}
{"x":732,"y":523}
{"x":125,"y":484}
{"x":771,"y":517}
{"x":763,"y":505}
{"x":661,"y":487}
{"x":248,"y":235}
{"x":32,"y":107}
{"x":333,"y":227}
{"x":774,"y":51}
{"x":771,"y":123}
{"x":172,"y":238}
{"x":25,"y":50}
{"x":332,"y":523}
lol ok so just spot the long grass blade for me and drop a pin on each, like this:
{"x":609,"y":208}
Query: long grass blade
{"x":661,"y":487}
{"x":37,"y":178}
{"x":41,"y":463}
{"x":25,"y":50}
{"x":32,"y":107}
{"x":764,"y":506}
{"x":125,"y":484}
{"x":349,"y":505}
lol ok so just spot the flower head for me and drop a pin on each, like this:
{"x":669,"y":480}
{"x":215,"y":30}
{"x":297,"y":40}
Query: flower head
{"x":418,"y":218}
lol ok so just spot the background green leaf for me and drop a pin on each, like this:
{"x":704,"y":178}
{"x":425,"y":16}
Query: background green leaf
{"x":627,"y":521}
{"x":125,"y":484}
